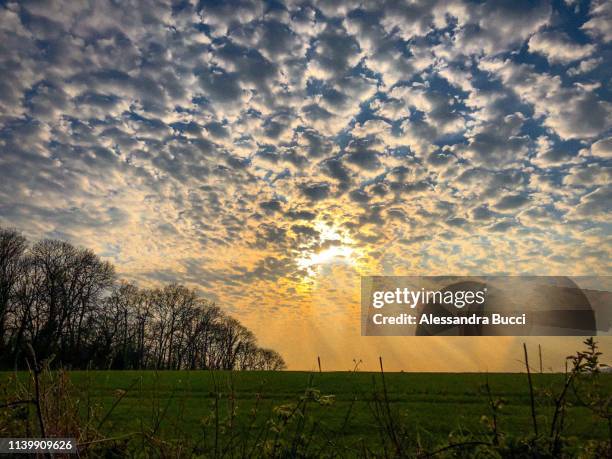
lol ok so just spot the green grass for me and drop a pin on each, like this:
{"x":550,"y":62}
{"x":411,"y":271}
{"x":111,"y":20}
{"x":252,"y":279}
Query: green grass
{"x":431,"y":404}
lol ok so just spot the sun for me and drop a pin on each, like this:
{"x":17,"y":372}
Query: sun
{"x":337,"y":248}
{"x":332,"y":254}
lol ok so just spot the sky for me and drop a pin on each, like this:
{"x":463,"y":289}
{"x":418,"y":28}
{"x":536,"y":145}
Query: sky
{"x":268,"y":154}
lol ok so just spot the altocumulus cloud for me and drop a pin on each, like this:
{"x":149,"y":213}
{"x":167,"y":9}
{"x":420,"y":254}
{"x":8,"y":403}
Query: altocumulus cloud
{"x":210,"y":139}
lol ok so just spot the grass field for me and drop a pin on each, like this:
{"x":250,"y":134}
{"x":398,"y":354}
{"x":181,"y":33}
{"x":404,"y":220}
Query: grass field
{"x":192,"y":404}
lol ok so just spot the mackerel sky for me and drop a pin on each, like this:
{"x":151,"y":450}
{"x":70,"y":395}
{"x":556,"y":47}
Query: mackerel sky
{"x":269,"y":153}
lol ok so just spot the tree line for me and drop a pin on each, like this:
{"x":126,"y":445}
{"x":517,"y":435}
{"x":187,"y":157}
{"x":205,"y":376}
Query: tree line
{"x":67,"y":305}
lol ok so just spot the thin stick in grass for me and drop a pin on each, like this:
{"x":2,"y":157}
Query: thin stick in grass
{"x":387,"y":406}
{"x":531,"y":396}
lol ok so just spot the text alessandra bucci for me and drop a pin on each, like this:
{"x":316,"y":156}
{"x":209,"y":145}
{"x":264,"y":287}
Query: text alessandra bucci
{"x":431,"y":319}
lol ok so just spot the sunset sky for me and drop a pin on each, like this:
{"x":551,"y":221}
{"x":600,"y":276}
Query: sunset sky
{"x":268,"y":154}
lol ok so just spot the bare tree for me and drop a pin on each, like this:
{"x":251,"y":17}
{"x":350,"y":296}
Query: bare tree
{"x":12,"y":247}
{"x":66,"y":303}
{"x":70,"y":284}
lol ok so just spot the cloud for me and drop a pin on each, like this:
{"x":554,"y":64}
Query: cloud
{"x":598,"y":26}
{"x":575,"y":111}
{"x":512,"y":202}
{"x":316,"y":191}
{"x":600,"y":149}
{"x":493,"y":27}
{"x":483,"y":213}
{"x":595,"y":205}
{"x":271,"y":206}
{"x":557,"y":47}
{"x":586,"y":66}
{"x":548,"y":154}
{"x":497,"y":143}
{"x":593,"y":174}
{"x":334,"y":53}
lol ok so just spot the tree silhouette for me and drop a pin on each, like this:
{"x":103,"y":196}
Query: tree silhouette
{"x":68,"y":305}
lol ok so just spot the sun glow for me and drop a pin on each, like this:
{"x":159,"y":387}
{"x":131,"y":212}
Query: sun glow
{"x":332,"y":254}
{"x":334,"y":247}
